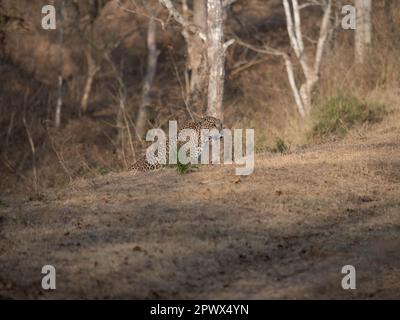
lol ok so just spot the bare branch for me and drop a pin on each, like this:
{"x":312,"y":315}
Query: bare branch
{"x":228,"y":43}
{"x":227,"y":3}
{"x":142,"y":13}
{"x":181,"y":20}
{"x":264,"y":50}
{"x":309,"y":4}
{"x":289,"y":69}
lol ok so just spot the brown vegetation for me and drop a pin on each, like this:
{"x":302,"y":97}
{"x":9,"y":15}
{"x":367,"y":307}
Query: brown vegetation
{"x":257,"y":93}
{"x":65,"y":195}
{"x":283,"y":232}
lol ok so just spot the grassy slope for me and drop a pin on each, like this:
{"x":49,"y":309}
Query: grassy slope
{"x":285,"y":231}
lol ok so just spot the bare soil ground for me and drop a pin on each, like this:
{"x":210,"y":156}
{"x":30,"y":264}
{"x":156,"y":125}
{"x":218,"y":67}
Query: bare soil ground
{"x":283,"y":232}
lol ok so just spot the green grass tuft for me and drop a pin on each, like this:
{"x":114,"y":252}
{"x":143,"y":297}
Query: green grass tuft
{"x":338,"y":114}
{"x":280,"y":146}
{"x":184,"y":168}
{"x":102,"y":170}
{"x":3,"y":204}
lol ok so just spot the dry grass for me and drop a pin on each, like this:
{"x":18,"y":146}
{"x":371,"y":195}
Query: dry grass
{"x":283,"y":232}
{"x":256,"y":97}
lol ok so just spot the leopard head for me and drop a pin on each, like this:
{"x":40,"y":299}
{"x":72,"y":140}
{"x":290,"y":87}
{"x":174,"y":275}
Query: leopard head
{"x":212,"y":123}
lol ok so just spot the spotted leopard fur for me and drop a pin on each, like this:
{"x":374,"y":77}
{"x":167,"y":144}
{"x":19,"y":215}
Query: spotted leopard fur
{"x":208,"y":122}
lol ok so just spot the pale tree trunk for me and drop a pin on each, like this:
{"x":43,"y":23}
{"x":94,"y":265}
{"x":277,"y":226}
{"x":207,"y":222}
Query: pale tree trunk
{"x":57,"y":118}
{"x":216,"y":57}
{"x":213,"y":39}
{"x":196,"y":65}
{"x":59,"y":104}
{"x":121,"y":128}
{"x":363,"y":32}
{"x":153,"y":53}
{"x":303,"y":97}
{"x":91,"y":73}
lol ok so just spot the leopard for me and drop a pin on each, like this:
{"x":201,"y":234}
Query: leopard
{"x":207,"y":122}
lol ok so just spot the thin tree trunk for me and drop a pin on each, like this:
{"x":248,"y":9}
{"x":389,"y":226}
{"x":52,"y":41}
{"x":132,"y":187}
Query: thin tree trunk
{"x":213,"y":39}
{"x":121,"y":129}
{"x":292,"y":81}
{"x":363,"y":32}
{"x":91,"y":73}
{"x":216,"y":57}
{"x":310,"y":71}
{"x":197,"y":58}
{"x":153,"y":53}
{"x":57,"y":119}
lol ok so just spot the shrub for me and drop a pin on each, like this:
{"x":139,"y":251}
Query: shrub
{"x":280,"y":146}
{"x":338,"y":114}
